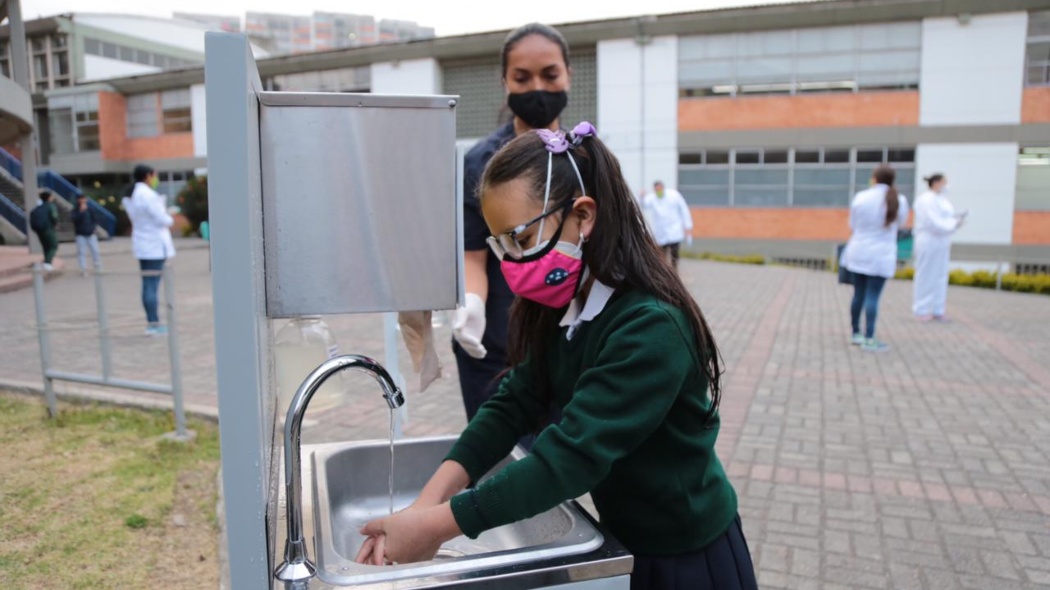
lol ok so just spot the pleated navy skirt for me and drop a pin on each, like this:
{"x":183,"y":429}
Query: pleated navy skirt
{"x":724,"y":564}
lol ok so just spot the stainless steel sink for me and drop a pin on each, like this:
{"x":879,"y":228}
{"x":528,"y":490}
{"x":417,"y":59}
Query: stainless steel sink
{"x":350,"y":483}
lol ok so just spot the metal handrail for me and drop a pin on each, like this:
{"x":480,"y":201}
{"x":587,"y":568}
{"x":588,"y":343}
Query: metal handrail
{"x":12,"y":213}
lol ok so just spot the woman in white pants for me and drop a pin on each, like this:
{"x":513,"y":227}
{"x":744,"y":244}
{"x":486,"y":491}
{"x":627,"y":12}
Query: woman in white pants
{"x":935,"y":222}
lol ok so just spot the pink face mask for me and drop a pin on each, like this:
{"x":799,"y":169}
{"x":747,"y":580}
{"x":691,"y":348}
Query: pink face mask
{"x":549,"y":273}
{"x":548,"y":277}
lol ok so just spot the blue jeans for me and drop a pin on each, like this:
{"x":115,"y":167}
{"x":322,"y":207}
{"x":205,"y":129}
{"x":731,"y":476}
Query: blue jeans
{"x":149,"y":288}
{"x":866,"y":292}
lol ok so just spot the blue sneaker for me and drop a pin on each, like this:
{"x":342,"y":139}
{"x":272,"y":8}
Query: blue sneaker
{"x":873,"y":345}
{"x":156,"y":330}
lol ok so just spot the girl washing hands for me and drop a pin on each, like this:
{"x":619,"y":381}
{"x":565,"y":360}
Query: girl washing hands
{"x":604,"y":331}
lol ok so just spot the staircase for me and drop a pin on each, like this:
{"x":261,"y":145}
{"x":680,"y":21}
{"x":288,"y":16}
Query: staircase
{"x":15,"y":264}
{"x":13,"y":215}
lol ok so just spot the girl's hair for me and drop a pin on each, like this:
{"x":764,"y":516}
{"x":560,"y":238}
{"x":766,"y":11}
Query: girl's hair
{"x":620,"y":251}
{"x":933,"y":179}
{"x":550,"y":33}
{"x":886,"y":175}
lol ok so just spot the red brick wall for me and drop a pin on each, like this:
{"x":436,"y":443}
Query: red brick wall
{"x":865,"y":109}
{"x":116,"y":145}
{"x":1032,"y":228}
{"x":1035,"y":106}
{"x":771,"y":224}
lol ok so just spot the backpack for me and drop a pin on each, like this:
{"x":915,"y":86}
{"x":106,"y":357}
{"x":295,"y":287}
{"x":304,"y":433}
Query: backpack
{"x":40,"y":218}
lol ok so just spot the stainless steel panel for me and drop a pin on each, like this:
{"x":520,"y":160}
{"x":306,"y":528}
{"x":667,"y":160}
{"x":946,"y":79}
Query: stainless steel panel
{"x":359,"y":203}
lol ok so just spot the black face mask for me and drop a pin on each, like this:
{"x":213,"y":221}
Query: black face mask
{"x":538,"y":108}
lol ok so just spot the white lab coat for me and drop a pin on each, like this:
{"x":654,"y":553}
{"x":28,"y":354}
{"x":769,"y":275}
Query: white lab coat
{"x":669,"y":217}
{"x":872,"y":246}
{"x":150,"y":224}
{"x":935,"y":222}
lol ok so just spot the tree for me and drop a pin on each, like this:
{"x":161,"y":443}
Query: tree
{"x":193,"y":201}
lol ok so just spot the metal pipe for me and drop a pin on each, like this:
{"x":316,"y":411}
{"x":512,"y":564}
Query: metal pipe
{"x":111,"y":382}
{"x":41,"y":333}
{"x":297,"y":567}
{"x":173,"y":353}
{"x":103,"y":328}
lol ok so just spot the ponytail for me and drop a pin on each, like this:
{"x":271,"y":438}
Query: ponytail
{"x":886,"y":175}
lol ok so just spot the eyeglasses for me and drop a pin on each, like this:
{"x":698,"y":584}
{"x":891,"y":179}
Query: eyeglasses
{"x":506,"y":243}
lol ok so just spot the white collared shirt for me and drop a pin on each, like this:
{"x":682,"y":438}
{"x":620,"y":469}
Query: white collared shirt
{"x":588,"y":310}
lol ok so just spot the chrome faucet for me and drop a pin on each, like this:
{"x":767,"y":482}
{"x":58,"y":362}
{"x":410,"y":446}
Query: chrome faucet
{"x":297,"y":568}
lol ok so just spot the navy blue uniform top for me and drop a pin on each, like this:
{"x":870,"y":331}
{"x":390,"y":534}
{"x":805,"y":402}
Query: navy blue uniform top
{"x":83,"y":221}
{"x":475,"y":232}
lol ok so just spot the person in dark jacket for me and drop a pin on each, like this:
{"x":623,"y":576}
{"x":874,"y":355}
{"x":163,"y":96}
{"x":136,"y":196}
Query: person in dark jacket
{"x":43,"y":220}
{"x":84,"y":226}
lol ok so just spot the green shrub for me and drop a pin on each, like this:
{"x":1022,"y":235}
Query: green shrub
{"x":193,"y":201}
{"x":986,"y":280}
{"x":748,"y":259}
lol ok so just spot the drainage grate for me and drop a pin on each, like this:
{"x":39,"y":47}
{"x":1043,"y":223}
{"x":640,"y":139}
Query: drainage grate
{"x":810,"y":263}
{"x":1029,"y":268}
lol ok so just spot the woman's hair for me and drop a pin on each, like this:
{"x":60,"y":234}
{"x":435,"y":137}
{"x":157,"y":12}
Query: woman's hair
{"x":620,"y":252}
{"x":550,"y":33}
{"x":886,"y":175}
{"x":141,"y":172}
{"x":933,"y":179}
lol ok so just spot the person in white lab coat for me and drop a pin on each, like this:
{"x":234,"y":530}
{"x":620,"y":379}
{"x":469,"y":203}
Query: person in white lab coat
{"x":935,"y":222}
{"x":151,"y":241}
{"x":669,"y":219}
{"x":871,"y":253}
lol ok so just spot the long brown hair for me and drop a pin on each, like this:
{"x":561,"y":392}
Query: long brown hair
{"x":886,"y":175}
{"x":620,"y":252}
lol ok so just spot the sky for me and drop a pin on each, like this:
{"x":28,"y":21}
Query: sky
{"x":447,"y":18}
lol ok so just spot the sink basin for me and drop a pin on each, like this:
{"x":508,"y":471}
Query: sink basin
{"x":350,"y":483}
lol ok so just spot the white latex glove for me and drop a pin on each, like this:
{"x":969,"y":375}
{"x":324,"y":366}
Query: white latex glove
{"x":468,"y":326}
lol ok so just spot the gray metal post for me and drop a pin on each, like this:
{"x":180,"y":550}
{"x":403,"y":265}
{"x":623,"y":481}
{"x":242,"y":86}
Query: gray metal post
{"x":246,"y":395}
{"x":999,"y":275}
{"x":103,"y":327}
{"x":180,"y":434}
{"x":41,"y":332}
{"x":27,"y":143}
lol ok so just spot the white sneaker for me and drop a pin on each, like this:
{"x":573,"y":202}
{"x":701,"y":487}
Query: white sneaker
{"x":48,"y":267}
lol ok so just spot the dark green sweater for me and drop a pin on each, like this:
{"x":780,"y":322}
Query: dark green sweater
{"x":633,"y":394}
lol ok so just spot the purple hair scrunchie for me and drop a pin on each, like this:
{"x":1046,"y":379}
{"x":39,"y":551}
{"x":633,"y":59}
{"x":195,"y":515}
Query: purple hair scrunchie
{"x":554,"y":141}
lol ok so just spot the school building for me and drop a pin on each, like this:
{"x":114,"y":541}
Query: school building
{"x":768,"y":119}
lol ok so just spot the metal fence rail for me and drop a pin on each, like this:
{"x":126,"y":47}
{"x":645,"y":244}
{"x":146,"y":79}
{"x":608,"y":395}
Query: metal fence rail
{"x":107,"y":379}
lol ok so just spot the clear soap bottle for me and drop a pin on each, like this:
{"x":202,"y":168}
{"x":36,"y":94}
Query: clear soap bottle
{"x":299,"y":348}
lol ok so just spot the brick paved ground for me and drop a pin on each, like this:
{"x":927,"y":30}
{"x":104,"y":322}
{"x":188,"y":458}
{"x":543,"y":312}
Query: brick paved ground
{"x":923,"y":467}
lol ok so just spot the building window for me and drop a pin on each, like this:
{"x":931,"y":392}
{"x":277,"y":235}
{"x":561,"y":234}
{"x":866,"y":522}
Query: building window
{"x":92,"y":47}
{"x":1037,"y":71}
{"x":175,"y":107}
{"x":801,"y":177}
{"x":60,"y":64}
{"x":73,"y":122}
{"x":60,"y":123}
{"x":831,"y":59}
{"x":142,"y":115}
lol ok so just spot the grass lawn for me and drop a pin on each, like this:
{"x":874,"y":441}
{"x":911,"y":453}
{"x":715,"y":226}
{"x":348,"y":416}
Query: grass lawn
{"x":98,"y":499}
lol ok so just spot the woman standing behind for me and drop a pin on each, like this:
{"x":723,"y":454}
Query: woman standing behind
{"x":935,"y":222}
{"x":871,"y":253}
{"x":150,"y":239}
{"x":535,"y":70}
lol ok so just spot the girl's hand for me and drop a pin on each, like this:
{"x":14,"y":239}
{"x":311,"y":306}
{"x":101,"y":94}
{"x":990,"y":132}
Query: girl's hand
{"x":412,"y":535}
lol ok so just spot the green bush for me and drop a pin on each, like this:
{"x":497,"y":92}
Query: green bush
{"x":986,"y":280}
{"x":193,"y":201}
{"x":748,"y":259}
{"x":109,"y":197}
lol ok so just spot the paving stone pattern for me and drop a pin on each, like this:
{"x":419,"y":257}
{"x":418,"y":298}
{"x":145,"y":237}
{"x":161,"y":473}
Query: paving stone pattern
{"x":924,"y":467}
